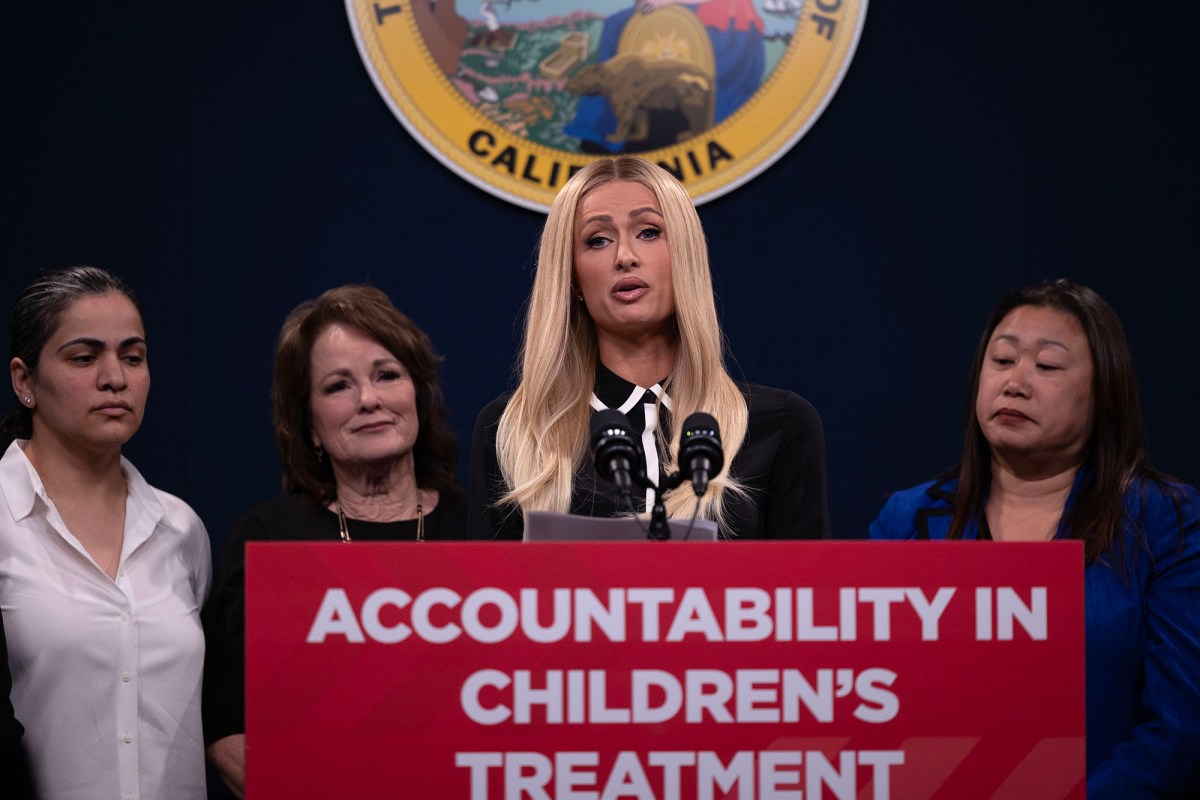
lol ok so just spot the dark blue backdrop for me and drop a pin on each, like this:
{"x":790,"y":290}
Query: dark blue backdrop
{"x":231,"y":163}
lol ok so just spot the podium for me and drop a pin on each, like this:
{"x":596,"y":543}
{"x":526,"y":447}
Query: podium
{"x":659,"y":670}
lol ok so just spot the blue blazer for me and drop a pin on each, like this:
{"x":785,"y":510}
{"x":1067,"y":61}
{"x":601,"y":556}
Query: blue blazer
{"x":1142,"y":629}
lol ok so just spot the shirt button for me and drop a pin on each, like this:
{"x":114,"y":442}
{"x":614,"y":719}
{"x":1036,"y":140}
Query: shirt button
{"x":121,"y":572}
{"x":125,"y":677}
{"x":124,"y":617}
{"x":128,"y":739}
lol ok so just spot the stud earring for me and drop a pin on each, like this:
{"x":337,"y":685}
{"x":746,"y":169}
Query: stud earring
{"x":28,"y":399}
{"x":320,"y":454}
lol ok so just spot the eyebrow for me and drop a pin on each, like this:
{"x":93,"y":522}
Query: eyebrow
{"x":636,"y":212}
{"x":645,"y":210}
{"x":379,"y":362}
{"x":1043,"y":342}
{"x":99,"y":344}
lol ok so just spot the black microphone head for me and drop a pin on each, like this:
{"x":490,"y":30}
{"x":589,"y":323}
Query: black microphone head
{"x":699,"y":422}
{"x":607,"y":423}
{"x":615,"y":448}
{"x":700,"y":453}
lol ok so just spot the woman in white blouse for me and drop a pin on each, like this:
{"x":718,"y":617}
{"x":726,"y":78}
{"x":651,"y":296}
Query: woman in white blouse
{"x":101,"y":576}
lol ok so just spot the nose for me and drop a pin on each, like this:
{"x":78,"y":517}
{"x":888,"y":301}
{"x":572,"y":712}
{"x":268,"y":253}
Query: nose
{"x":368,"y":398}
{"x":1017,"y":384}
{"x":626,"y":258}
{"x":111,"y":376}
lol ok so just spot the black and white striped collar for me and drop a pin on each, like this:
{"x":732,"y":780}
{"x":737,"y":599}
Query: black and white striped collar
{"x":640,"y":405}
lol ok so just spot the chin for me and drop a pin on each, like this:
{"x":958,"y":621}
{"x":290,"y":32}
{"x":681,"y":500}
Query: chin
{"x":1022,"y":450}
{"x":379,"y":456}
{"x":103,"y":443}
{"x":639,"y":323}
{"x":1011,"y":445}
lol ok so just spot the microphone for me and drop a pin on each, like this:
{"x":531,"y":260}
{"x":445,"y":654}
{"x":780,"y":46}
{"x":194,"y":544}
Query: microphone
{"x":700,"y":453}
{"x":615,"y":449}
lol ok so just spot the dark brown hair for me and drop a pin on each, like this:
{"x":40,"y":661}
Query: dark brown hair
{"x":35,"y":318}
{"x":1115,"y":455}
{"x":435,"y":452}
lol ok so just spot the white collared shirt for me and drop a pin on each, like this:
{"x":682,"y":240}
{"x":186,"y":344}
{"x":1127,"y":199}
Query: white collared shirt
{"x":106,"y":673}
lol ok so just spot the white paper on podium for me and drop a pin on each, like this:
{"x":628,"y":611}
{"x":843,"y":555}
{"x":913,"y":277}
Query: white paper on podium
{"x":544,"y":526}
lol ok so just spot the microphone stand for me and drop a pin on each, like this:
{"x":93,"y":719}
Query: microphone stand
{"x":618,"y":458}
{"x":659,"y":530}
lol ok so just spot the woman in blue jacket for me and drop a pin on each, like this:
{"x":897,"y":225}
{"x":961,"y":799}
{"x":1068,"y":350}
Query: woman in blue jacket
{"x":1055,"y":449}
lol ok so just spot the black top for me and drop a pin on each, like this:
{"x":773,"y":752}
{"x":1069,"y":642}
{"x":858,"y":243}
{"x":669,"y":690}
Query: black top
{"x":781,"y":463}
{"x":284,"y":519}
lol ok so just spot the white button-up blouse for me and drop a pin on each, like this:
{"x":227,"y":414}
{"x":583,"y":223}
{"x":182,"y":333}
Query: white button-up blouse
{"x":106,"y":673}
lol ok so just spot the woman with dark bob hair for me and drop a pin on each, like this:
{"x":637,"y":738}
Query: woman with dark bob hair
{"x":1055,"y":449}
{"x":102,"y":576}
{"x":366,"y":455}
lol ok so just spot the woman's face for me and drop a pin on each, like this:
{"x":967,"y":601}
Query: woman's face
{"x":90,"y":386}
{"x":623,"y":259}
{"x":1035,"y":388}
{"x":363,"y":401}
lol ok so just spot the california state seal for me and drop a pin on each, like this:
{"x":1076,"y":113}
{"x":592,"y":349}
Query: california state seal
{"x":517,"y":95}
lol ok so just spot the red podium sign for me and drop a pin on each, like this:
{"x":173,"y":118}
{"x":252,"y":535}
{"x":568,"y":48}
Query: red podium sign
{"x":794,"y":671}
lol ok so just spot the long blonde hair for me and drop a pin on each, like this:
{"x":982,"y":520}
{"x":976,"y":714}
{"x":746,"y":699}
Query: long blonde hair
{"x":542,"y":436}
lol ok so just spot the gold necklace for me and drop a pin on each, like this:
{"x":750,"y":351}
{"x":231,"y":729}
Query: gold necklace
{"x":345,"y":532}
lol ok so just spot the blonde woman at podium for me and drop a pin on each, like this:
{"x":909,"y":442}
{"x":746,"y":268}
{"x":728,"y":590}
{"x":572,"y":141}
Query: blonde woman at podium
{"x":367,"y":456}
{"x":622,"y":316}
{"x":102,"y":576}
{"x":1055,"y":449}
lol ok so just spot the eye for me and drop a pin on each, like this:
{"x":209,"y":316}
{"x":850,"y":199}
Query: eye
{"x":649,"y":233}
{"x":335,"y":387}
{"x":135,"y":360}
{"x":390,"y":375}
{"x":1001,"y":361}
{"x":1049,"y":367}
{"x":595,"y":241}
{"x":83,"y":359}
